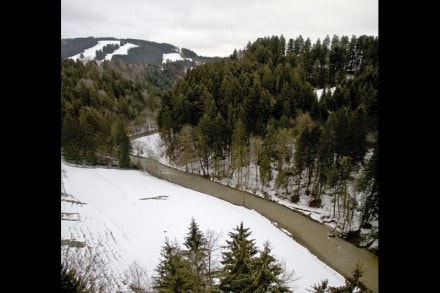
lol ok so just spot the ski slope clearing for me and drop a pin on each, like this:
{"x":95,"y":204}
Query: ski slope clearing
{"x":122,"y":50}
{"x":90,"y":53}
{"x":124,"y":216}
{"x":172,"y":57}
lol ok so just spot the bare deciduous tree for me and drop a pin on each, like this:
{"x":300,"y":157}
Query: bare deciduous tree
{"x":89,"y":267}
{"x":138,"y":279}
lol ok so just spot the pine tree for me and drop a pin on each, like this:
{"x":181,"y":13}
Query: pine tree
{"x":71,"y":139}
{"x":122,"y":144}
{"x":352,"y":284}
{"x":299,"y":45}
{"x":173,"y":271}
{"x":185,"y":139}
{"x":369,"y":184}
{"x":267,"y":273}
{"x":321,"y":287}
{"x":195,"y":240}
{"x":240,"y":156}
{"x":89,"y":125}
{"x":196,"y":254}
{"x":238,"y":261}
{"x":290,"y":46}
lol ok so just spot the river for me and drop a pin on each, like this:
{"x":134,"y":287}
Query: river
{"x":339,"y":254}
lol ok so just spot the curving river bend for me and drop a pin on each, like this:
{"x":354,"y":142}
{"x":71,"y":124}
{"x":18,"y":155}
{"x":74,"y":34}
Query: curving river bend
{"x":336,"y":252}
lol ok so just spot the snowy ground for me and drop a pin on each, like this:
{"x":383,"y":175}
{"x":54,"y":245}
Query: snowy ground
{"x":90,"y":53}
{"x":151,"y":146}
{"x":171,"y":57}
{"x":125,"y":215}
{"x":122,"y":50}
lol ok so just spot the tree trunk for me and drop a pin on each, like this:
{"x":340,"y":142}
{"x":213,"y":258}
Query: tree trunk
{"x":309,"y":177}
{"x":334,"y":205}
{"x":201,"y":165}
{"x":299,"y":182}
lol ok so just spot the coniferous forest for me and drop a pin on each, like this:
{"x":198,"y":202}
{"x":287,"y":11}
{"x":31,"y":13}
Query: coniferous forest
{"x":101,"y":105}
{"x":257,"y":110}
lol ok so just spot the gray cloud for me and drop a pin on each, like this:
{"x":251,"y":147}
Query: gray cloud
{"x":216,"y":27}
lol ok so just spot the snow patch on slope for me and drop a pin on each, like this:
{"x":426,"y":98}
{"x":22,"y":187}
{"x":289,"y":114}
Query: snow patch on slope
{"x":172,"y":57}
{"x":122,"y":50}
{"x":319,"y":92}
{"x":90,"y":53}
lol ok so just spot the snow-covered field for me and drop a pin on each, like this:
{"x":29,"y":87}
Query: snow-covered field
{"x":90,"y":53}
{"x":123,"y":216}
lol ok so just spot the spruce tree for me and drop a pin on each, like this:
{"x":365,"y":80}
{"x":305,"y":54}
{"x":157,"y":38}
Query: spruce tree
{"x":122,"y":144}
{"x":267,"y":273}
{"x":369,"y":184}
{"x":196,"y":255}
{"x":71,"y":139}
{"x":239,"y":149}
{"x":352,"y":284}
{"x":238,"y":263}
{"x":195,"y":240}
{"x":321,"y":287}
{"x":173,"y":273}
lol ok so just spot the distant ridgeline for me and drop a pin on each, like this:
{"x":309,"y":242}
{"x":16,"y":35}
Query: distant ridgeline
{"x":139,"y":51}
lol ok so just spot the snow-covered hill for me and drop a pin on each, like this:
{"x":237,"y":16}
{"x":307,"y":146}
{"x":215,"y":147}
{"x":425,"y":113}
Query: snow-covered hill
{"x":123,"y":216}
{"x":90,"y":53}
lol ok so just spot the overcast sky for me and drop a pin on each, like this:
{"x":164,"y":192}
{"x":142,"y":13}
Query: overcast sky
{"x":217,"y":27}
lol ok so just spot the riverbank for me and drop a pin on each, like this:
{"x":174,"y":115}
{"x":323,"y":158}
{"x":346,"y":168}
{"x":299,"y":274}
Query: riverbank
{"x":337,"y":253}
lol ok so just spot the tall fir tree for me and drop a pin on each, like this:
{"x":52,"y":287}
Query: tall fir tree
{"x":122,"y":144}
{"x":238,"y":264}
{"x":173,"y":273}
{"x":353,"y":284}
{"x":197,"y":254}
{"x":267,"y":273}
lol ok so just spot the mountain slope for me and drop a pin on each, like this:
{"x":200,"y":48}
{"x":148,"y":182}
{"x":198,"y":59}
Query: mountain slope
{"x":129,"y":50}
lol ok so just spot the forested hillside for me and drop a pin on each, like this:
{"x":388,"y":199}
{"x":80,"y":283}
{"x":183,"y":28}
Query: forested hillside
{"x":256,"y":113}
{"x":101,"y":105}
{"x":70,"y":47}
{"x":144,"y":52}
